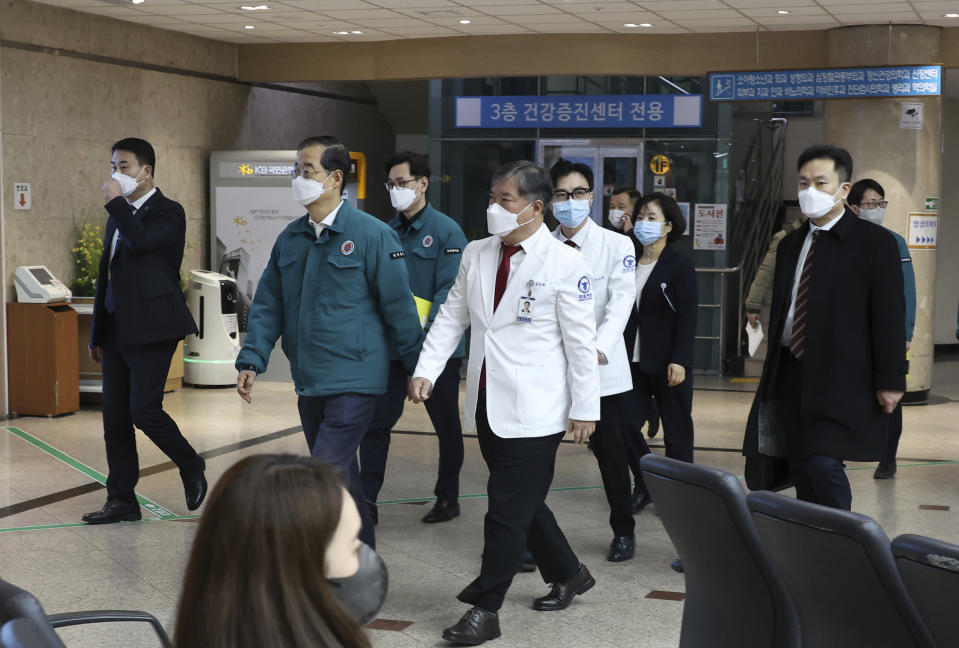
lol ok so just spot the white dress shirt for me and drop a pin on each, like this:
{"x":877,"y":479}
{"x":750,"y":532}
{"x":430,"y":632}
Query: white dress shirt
{"x":787,"y":337}
{"x":326,"y":222}
{"x":643,"y":270}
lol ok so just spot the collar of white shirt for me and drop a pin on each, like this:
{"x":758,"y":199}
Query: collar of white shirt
{"x":326,"y":222}
{"x":139,"y":202}
{"x":579,"y":238}
{"x":828,"y":226}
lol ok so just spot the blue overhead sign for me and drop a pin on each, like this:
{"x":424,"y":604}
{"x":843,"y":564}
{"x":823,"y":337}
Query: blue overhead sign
{"x":846,"y":83}
{"x":580,"y":111}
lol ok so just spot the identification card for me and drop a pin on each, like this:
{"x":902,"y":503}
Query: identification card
{"x":524,"y":310}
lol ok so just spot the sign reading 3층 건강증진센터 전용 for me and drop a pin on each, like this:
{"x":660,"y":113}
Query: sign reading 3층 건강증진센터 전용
{"x":839,"y":83}
{"x":580,"y":111}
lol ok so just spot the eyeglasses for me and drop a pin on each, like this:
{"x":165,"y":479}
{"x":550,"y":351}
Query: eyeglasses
{"x":389,"y":184}
{"x":874,"y":204}
{"x":579,"y":193}
{"x":306,"y":173}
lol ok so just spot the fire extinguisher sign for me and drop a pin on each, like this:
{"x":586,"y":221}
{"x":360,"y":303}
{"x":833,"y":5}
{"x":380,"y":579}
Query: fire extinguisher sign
{"x":21,"y":195}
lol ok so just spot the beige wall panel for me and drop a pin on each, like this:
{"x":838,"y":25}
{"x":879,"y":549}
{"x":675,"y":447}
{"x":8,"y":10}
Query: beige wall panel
{"x":48,"y":26}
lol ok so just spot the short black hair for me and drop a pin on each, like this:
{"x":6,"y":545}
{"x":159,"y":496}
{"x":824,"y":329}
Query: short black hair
{"x":634,"y":195}
{"x":839,"y":156}
{"x":564,"y":167}
{"x":859,"y":189}
{"x":419,"y":163}
{"x":140,"y":148}
{"x":335,"y":155}
{"x":671,"y":212}
{"x":532,"y":181}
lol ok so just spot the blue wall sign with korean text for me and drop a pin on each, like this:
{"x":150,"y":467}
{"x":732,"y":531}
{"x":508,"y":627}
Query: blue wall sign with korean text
{"x":801,"y":85}
{"x":580,"y":111}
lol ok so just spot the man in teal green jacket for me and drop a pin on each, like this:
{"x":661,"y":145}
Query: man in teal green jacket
{"x":433,"y":244}
{"x":867,"y":199}
{"x":336,"y":288}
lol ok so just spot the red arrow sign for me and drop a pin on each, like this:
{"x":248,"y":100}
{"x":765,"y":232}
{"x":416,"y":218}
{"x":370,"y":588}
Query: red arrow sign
{"x":23,"y":200}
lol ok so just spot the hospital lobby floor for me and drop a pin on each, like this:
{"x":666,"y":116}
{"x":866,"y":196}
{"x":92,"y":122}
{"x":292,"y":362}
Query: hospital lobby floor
{"x":50,"y":471}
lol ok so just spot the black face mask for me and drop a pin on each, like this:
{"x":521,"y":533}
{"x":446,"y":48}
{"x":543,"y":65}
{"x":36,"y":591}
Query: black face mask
{"x":363,"y":593}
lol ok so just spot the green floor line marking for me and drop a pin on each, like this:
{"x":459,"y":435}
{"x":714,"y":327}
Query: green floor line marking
{"x":95,"y":475}
{"x":68,"y":525}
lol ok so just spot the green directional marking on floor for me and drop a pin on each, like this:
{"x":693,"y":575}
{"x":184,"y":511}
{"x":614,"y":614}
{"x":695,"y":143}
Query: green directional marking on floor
{"x":46,"y":527}
{"x":95,"y":475}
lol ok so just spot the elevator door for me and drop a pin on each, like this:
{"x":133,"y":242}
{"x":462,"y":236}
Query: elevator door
{"x":615,"y":163}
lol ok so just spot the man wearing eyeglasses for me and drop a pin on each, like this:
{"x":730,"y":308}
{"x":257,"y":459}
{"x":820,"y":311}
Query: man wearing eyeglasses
{"x":433,"y":243}
{"x":337,"y":290}
{"x":612,"y":263}
{"x":867,"y":199}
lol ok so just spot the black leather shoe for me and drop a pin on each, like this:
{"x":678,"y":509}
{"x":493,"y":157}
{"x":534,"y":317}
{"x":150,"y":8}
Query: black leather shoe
{"x":195,"y":487}
{"x":622,"y":548}
{"x":676,"y":565}
{"x":477,"y":626}
{"x":561,"y":594}
{"x":885,"y":470}
{"x":114,"y":511}
{"x":374,"y":512}
{"x":442,"y":512}
{"x":640,"y":499}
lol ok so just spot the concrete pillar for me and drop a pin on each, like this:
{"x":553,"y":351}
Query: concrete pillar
{"x":905,"y":162}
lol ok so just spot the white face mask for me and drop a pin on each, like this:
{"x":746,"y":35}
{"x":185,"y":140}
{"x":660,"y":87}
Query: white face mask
{"x":815,"y":203}
{"x":875,"y":215}
{"x":401,"y":198}
{"x":127,"y":184}
{"x":306,"y":191}
{"x":500,"y":221}
{"x":616,"y":217}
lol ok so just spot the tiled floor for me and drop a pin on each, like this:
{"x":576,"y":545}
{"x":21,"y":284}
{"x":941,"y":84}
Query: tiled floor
{"x":139,"y":566}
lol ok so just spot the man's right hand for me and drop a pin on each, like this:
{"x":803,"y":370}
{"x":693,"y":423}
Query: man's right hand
{"x":244,"y":385}
{"x":419,"y":390}
{"x":752,"y":318}
{"x":96,"y":353}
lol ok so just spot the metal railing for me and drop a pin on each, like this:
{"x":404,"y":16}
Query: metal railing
{"x":717,"y":340}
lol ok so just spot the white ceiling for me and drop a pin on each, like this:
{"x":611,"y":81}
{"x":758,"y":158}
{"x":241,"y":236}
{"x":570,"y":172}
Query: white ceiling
{"x":299,"y":21}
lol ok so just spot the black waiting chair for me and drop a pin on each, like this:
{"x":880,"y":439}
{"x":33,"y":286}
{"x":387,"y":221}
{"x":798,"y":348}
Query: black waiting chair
{"x":839,"y":569}
{"x":24,"y":633}
{"x":930,"y":571}
{"x":733,"y":597}
{"x":17,"y":603}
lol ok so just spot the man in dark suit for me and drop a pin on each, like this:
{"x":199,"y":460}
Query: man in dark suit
{"x":836,"y":367}
{"x":139,"y":316}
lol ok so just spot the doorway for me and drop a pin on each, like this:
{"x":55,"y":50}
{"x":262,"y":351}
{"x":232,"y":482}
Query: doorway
{"x":618,"y":164}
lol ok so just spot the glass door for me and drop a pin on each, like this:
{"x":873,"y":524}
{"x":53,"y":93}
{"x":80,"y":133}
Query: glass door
{"x":615,"y":163}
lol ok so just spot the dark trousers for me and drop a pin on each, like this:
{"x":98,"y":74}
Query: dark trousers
{"x":444,"y":411}
{"x":820,"y":479}
{"x":675,"y":411}
{"x":610,"y":451}
{"x":895,"y":432}
{"x":133,"y":380}
{"x":334,"y":427}
{"x":633,"y":417}
{"x":520,"y":473}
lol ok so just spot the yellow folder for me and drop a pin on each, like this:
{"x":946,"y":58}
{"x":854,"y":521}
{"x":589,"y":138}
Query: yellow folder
{"x":423,"y":308}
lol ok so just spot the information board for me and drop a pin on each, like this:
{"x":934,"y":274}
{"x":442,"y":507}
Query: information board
{"x":800,"y":85}
{"x":580,"y":111}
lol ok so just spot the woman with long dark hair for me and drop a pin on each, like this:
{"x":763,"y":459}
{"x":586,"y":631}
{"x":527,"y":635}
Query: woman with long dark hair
{"x":277,"y":532}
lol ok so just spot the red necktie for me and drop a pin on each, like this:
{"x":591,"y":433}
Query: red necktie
{"x":502,"y":277}
{"x":570,"y":243}
{"x":802,"y":298}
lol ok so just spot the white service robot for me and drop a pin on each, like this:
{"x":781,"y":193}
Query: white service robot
{"x":209,"y":356}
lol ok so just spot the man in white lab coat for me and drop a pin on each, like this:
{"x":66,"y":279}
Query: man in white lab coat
{"x":531,"y":378}
{"x":612,"y":264}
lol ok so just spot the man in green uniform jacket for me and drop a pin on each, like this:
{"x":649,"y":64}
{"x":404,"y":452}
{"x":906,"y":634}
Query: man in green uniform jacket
{"x":433,"y":243}
{"x":336,"y":288}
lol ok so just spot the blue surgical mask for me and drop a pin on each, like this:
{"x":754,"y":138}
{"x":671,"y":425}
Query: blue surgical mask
{"x":648,"y":232}
{"x":571,"y":213}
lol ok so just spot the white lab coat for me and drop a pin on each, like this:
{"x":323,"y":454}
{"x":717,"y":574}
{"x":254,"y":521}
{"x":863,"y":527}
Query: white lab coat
{"x":539,"y":374}
{"x":612,"y":264}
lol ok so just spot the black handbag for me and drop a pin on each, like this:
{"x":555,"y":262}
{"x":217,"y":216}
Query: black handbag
{"x":768,"y":473}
